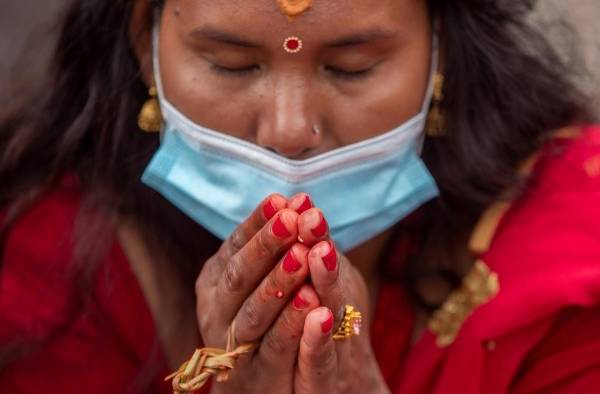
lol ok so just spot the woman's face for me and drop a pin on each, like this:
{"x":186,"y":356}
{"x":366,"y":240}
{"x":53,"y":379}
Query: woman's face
{"x":362,"y":70}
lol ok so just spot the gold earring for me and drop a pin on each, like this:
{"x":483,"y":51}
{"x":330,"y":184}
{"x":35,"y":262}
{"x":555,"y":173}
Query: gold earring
{"x":150,"y":119}
{"x":436,"y":123}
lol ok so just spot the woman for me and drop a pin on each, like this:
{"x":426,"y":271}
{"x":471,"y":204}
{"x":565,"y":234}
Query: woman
{"x":291,"y":154}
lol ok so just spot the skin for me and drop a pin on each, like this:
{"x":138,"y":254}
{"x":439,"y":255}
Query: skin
{"x":223,"y":65}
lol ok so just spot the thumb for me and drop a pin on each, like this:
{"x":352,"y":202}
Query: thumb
{"x":317,"y":359}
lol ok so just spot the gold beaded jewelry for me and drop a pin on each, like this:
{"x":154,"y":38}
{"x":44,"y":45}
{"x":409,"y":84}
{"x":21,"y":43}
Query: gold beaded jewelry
{"x":436,"y":123}
{"x":351,"y":324}
{"x":150,"y":118}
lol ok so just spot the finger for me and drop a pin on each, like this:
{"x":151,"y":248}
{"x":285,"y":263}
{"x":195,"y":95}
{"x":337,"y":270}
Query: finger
{"x":246,"y":269}
{"x":326,"y":275}
{"x":265,"y":211}
{"x":278,"y":350}
{"x":317,"y":358}
{"x":264,"y":305}
{"x":300,"y":203}
{"x":312,"y":227}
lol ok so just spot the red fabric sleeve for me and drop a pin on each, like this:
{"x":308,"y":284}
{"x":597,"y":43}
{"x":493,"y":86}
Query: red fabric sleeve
{"x":110,"y":347}
{"x":34,"y":289}
{"x":391,"y":331}
{"x":567,"y":360}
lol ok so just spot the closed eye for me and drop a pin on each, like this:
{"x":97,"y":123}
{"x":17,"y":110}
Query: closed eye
{"x":234,"y":71}
{"x":349,"y":75}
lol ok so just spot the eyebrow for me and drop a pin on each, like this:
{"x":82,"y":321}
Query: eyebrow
{"x":223,"y":37}
{"x":362,"y":38}
{"x":350,"y":40}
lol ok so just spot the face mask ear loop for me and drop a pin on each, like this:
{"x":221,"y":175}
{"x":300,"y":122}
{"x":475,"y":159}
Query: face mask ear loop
{"x":435,"y":60}
{"x":156,"y":65}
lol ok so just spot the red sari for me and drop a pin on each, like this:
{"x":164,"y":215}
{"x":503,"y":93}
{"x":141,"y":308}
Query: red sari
{"x":539,"y":333}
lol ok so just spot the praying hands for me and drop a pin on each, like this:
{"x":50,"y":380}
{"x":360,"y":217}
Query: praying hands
{"x":278,"y":288}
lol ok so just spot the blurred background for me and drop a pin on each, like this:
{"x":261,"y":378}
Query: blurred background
{"x":27,"y":29}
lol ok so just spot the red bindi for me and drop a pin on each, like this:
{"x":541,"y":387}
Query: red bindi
{"x":292,"y":45}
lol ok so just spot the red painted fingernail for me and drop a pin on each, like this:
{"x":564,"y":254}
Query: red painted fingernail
{"x":321,"y":228}
{"x":299,"y":302}
{"x":306,"y":205}
{"x":330,"y":260}
{"x":269,"y":210}
{"x":279,"y":229}
{"x":327,"y":325}
{"x":290,"y":264}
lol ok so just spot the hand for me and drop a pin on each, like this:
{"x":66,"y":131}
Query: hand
{"x":325,"y":365}
{"x":257,"y":280}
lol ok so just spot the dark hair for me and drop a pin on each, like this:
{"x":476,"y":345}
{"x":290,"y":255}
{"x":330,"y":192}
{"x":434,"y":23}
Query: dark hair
{"x":506,"y":89}
{"x":83,"y":121}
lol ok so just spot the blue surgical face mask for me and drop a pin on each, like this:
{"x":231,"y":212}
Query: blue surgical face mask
{"x":362,"y":189}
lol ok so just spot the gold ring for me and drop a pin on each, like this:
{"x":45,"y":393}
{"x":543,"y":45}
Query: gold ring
{"x":351,"y":324}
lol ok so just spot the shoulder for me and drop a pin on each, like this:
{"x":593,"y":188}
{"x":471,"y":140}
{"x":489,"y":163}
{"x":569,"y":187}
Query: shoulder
{"x":42,"y":284}
{"x":34,"y":284}
{"x":558,"y":203}
{"x":45,"y":230}
{"x":569,"y":164}
{"x":557,"y":207}
{"x":546,"y":250}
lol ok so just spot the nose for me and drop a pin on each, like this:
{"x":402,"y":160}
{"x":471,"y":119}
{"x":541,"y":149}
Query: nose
{"x":289,"y":123}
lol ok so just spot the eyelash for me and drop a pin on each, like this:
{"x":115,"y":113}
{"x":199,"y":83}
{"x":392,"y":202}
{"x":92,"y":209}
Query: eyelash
{"x":349,"y":75}
{"x":336,"y":72}
{"x":234,"y":72}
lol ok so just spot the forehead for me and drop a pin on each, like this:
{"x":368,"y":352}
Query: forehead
{"x":262,"y":19}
